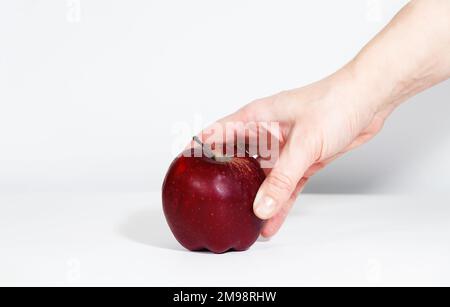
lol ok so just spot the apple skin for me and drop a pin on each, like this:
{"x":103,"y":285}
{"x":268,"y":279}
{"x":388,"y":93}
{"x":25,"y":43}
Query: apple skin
{"x":209,"y":204}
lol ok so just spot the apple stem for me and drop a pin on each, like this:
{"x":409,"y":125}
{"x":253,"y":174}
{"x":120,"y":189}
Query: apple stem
{"x":245,"y":149}
{"x":205,"y":149}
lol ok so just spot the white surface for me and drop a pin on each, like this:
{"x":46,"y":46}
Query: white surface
{"x":123,"y":239}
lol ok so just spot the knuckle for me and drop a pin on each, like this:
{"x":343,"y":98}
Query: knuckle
{"x":281,"y":98}
{"x":279,"y":183}
{"x":312,"y":143}
{"x":285,"y":95}
{"x":248,"y":112}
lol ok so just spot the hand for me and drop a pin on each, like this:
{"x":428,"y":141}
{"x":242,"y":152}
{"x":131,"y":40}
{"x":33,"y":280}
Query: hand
{"x":318,"y":123}
{"x":324,"y":120}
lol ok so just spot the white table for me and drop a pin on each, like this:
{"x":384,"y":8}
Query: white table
{"x":123,"y":239}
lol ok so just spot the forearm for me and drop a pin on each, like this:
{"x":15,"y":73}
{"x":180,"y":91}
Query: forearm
{"x":410,"y":55}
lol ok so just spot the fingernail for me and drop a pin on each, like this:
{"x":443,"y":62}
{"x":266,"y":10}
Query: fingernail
{"x":264,"y":207}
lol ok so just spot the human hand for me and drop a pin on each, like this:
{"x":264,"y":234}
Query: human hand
{"x":318,"y":123}
{"x":324,"y":120}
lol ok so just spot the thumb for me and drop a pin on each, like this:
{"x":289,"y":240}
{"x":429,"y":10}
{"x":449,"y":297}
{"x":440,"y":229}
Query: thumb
{"x":281,"y":182}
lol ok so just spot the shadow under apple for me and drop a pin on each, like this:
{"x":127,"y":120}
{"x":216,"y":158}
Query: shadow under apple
{"x":149,"y":227}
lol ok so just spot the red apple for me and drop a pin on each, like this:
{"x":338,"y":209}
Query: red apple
{"x":208,"y":202}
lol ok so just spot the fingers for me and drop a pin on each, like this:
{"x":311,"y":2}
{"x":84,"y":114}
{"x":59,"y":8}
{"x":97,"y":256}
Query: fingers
{"x":217,"y":132}
{"x":259,"y":110}
{"x":243,"y":129}
{"x":282,"y":181}
{"x":272,"y":226}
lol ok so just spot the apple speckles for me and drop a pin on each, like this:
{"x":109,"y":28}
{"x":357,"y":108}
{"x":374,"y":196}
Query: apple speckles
{"x":208,"y":205}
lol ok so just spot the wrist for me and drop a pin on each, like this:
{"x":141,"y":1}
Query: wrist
{"x":348,"y":88}
{"x":373,"y":88}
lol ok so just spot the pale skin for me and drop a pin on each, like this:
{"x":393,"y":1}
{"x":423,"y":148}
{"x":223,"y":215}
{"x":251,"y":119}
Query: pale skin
{"x":322,"y":121}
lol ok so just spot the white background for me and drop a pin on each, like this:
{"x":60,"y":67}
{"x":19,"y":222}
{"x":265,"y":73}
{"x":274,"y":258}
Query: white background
{"x":91,"y":93}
